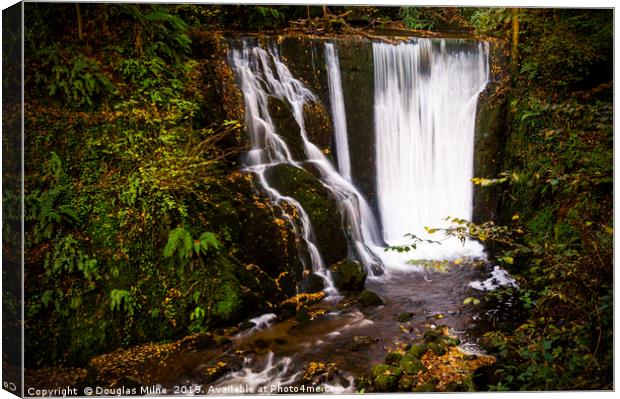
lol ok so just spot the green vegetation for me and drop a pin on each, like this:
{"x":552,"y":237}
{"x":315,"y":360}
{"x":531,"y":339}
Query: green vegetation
{"x":126,"y":185}
{"x":555,"y":232}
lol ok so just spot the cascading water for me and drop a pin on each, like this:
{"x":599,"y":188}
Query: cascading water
{"x":426,"y":93}
{"x":255,"y":69}
{"x":338,"y":112}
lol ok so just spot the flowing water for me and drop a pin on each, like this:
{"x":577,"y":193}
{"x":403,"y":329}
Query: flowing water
{"x":426,"y":92}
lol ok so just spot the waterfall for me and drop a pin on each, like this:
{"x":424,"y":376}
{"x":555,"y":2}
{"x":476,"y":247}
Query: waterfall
{"x":338,"y":113}
{"x":262,"y":74}
{"x":426,"y":94}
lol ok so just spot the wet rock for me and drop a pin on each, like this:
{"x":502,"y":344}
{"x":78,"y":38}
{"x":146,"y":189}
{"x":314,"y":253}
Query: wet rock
{"x":393,"y":358}
{"x":312,"y":283}
{"x":359,"y":341}
{"x":404,"y":317}
{"x":261,"y":222}
{"x":316,"y":373}
{"x":218,"y":368}
{"x":318,"y":124}
{"x":385,"y":377}
{"x":302,"y":314}
{"x":410,"y":364}
{"x":222,"y":341}
{"x":431,"y":336}
{"x":321,"y":208}
{"x":437,"y":348}
{"x":369,"y":298}
{"x":418,"y":350}
{"x":348,"y":276}
{"x":469,"y":357}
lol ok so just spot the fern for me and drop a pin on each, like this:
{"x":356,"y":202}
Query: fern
{"x":181,"y":243}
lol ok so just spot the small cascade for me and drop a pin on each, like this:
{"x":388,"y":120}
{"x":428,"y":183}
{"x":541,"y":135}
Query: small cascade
{"x":262,"y":74}
{"x":426,"y":93}
{"x":257,"y":82}
{"x":338,"y":112}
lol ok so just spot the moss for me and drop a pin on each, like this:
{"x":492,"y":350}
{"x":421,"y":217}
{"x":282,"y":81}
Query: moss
{"x":348,"y":276}
{"x":393,"y":358}
{"x":369,"y":298}
{"x":410,"y":364}
{"x":437,"y":348}
{"x":385,"y":378}
{"x":404,"y":317}
{"x":320,"y":207}
{"x":418,"y":350}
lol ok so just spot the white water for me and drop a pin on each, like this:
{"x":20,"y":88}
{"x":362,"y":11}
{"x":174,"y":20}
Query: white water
{"x":262,"y":74}
{"x":425,"y":110}
{"x":338,"y":112}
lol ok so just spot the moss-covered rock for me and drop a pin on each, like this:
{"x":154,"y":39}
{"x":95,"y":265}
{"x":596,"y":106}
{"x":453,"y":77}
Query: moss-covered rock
{"x":418,"y":350}
{"x":407,"y":382}
{"x":321,"y":208}
{"x":490,"y":136}
{"x":312,"y":283}
{"x":287,"y":127}
{"x":348,"y":276}
{"x":431,"y":335}
{"x":385,"y":377}
{"x":437,"y":348}
{"x":393,"y":358}
{"x":410,"y":364}
{"x":369,"y":298}
{"x":266,"y":239}
{"x":404,"y":317}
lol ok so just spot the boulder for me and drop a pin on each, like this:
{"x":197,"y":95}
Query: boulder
{"x":369,"y":298}
{"x":348,"y":276}
{"x":321,"y":208}
{"x":385,"y":377}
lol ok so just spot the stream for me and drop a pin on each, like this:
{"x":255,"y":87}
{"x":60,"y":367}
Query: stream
{"x":272,"y":356}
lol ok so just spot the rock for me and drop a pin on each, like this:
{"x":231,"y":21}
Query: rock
{"x":312,"y":283}
{"x":410,"y":364}
{"x":393,"y":358}
{"x":369,"y":298}
{"x":321,"y":208}
{"x":404,"y":317}
{"x":431,"y":336}
{"x":407,"y":382}
{"x":318,"y":124}
{"x":418,"y":350}
{"x":427,"y":387}
{"x":469,"y":357}
{"x":302,"y":314}
{"x":217,"y":368}
{"x":348,"y":276}
{"x":316,"y":373}
{"x":437,"y":348}
{"x":385,"y":377}
{"x":359,"y":341}
{"x":261,"y":222}
{"x":222,"y":341}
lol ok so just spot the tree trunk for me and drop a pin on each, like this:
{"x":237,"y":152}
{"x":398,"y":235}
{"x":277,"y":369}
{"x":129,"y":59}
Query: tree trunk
{"x":79,"y":21}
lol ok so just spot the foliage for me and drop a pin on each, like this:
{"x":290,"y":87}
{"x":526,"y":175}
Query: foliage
{"x":128,"y":210}
{"x":557,"y":202}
